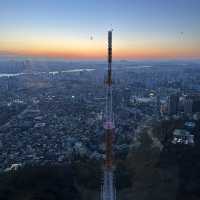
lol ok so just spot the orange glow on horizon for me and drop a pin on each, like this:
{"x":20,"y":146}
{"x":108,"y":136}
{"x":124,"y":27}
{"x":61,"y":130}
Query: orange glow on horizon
{"x":83,"y":48}
{"x":102,"y":53}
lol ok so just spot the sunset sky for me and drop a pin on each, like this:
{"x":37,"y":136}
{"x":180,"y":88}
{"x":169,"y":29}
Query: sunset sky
{"x":143,"y":29}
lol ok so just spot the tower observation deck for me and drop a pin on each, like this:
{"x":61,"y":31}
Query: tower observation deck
{"x":108,"y":191}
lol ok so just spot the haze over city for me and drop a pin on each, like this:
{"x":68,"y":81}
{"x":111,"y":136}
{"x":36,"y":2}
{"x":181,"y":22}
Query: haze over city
{"x":144,"y":29}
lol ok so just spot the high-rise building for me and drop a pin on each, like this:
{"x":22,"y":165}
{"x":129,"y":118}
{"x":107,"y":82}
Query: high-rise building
{"x":127,"y":96}
{"x":188,"y":106}
{"x":192,"y":104}
{"x":158,"y":106}
{"x":173,"y":103}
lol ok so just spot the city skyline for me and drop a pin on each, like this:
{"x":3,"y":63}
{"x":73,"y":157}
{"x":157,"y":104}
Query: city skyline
{"x":77,"y":29}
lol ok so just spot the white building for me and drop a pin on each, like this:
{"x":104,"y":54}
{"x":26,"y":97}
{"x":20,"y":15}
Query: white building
{"x":182,"y":136}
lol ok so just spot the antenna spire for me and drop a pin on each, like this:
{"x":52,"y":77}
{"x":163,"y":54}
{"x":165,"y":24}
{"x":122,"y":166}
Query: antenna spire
{"x":108,"y":189}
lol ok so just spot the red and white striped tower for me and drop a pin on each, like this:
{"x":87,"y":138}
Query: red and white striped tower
{"x":108,"y":189}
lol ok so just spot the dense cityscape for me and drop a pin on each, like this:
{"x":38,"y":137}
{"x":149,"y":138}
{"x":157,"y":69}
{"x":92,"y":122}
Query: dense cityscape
{"x":52,"y":112}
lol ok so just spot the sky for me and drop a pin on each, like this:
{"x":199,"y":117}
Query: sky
{"x":143,"y":29}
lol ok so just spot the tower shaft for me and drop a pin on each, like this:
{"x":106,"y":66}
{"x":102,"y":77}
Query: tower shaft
{"x":108,"y":188}
{"x":109,"y":124}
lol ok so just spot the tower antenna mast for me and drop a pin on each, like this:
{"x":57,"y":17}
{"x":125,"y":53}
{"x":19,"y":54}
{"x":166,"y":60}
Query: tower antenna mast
{"x":108,"y":188}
